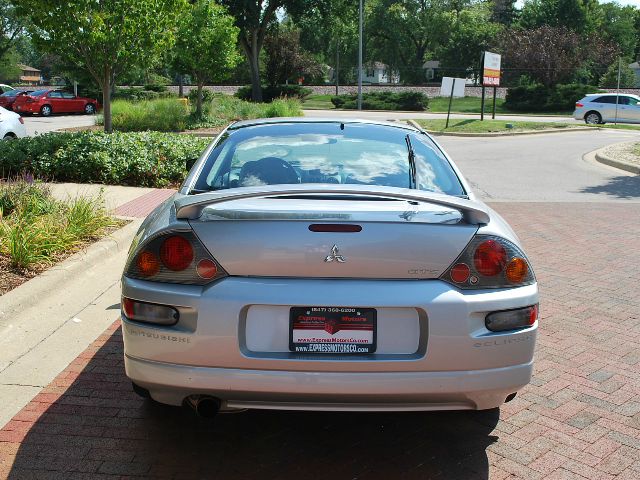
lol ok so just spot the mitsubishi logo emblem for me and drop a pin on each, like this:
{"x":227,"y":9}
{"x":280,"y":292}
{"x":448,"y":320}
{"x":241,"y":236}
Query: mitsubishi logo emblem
{"x":335,"y":255}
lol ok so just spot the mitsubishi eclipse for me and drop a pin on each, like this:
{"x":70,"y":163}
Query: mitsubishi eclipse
{"x":327,"y":265}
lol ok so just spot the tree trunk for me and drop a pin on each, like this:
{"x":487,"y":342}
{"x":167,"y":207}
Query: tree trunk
{"x":199,"y":99}
{"x":180,"y":86}
{"x":254,"y":63}
{"x":106,"y":101}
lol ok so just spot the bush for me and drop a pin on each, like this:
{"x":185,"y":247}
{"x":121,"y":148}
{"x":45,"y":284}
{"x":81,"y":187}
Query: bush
{"x":539,"y":98}
{"x":148,"y":159}
{"x":207,"y":95}
{"x":386,"y":100}
{"x":35,"y":228}
{"x":163,"y":115}
{"x":139,"y":94}
{"x":154,"y":87}
{"x":273,"y":92}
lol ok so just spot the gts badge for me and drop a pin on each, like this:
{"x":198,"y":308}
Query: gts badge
{"x":422,"y":271}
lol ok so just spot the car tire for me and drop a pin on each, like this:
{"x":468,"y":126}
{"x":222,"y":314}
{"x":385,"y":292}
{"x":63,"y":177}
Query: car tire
{"x":10,"y":136}
{"x":89,"y":109}
{"x":592,"y":118}
{"x":46,"y":110}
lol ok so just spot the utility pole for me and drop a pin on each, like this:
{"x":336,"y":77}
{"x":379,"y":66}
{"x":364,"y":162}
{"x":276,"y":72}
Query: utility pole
{"x":337,"y":66}
{"x":615,"y":121}
{"x":360,"y":62}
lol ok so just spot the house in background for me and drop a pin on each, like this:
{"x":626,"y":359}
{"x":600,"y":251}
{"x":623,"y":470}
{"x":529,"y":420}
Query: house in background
{"x":30,"y":75}
{"x":431,"y":71}
{"x":378,"y":72}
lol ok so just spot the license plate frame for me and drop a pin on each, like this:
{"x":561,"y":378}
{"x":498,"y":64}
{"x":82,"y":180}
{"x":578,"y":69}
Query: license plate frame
{"x":332,"y":328}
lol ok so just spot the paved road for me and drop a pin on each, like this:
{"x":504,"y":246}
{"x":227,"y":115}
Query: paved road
{"x":36,"y":124}
{"x":543,"y":168}
{"x":413,"y":115}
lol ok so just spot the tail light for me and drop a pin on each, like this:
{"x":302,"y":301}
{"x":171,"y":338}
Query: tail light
{"x":21,"y":120}
{"x":512,"y":319}
{"x":174,"y":257}
{"x":149,"y":312}
{"x":490,"y":262}
{"x":578,"y":105}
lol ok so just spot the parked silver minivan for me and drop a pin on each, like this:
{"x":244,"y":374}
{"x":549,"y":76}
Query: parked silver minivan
{"x":601,"y":108}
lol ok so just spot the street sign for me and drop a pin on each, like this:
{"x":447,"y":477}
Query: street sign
{"x":447,"y":84}
{"x":491,"y":69}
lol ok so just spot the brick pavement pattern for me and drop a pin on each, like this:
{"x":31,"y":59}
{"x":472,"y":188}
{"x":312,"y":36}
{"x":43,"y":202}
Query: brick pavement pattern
{"x":142,"y":206}
{"x":579,"y":417}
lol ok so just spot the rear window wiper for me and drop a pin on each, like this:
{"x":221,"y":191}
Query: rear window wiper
{"x":412,"y":163}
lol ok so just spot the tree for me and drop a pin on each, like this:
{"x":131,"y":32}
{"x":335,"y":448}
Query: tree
{"x":551,"y":55}
{"x":253,"y":17}
{"x":610,"y":78}
{"x":104,"y":37}
{"x":471,"y":33}
{"x":9,"y":71}
{"x":619,"y":26}
{"x":504,"y":12}
{"x":286,"y":60}
{"x":582,"y":16}
{"x":404,"y":33}
{"x":206,"y":44}
{"x":11,"y":26}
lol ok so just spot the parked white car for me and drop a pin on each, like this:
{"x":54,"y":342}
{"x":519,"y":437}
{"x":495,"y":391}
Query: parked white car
{"x":605,"y":107}
{"x":5,"y":88}
{"x":11,"y":125}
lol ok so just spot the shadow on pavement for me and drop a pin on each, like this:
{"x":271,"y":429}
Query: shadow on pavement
{"x":625,"y":187}
{"x":89,"y":424}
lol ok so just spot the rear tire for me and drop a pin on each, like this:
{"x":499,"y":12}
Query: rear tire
{"x":46,"y":110}
{"x":592,"y":118}
{"x":89,"y":109}
{"x":10,"y":136}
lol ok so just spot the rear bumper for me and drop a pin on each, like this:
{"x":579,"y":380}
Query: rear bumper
{"x":340,"y":391}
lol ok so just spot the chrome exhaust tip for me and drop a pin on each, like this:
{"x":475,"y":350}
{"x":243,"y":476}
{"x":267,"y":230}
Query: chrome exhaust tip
{"x":205,"y":406}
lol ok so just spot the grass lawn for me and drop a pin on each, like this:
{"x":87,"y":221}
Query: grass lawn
{"x":465,"y":105}
{"x":620,"y":126}
{"x":318,"y":102}
{"x":487,"y":126}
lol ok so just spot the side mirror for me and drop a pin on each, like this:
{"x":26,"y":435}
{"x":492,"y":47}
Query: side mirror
{"x":190,"y":163}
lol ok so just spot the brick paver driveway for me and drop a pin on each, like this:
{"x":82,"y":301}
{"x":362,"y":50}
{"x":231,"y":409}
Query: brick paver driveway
{"x":579,"y":418}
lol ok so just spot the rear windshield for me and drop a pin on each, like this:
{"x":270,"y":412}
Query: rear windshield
{"x":11,"y":93}
{"x":37,"y":93}
{"x":334,"y":153}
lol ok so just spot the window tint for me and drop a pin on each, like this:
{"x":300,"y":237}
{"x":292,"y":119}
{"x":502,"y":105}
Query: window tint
{"x":37,"y":93}
{"x":68,"y":95}
{"x":631,"y":101}
{"x":606,"y":99}
{"x":331,"y":153}
{"x":54,"y":95}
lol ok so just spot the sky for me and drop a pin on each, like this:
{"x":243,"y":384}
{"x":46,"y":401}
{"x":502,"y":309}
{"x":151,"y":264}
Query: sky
{"x":635,"y":3}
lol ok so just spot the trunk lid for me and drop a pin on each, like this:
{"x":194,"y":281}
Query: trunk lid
{"x":288,"y":237}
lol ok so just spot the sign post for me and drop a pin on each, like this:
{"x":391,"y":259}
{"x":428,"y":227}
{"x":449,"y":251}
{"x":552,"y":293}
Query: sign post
{"x":490,"y":77}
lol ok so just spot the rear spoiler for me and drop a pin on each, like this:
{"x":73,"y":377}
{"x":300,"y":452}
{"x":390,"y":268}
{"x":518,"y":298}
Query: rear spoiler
{"x":190,"y":207}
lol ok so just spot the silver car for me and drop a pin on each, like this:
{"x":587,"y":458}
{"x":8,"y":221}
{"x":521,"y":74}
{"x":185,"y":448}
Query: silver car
{"x":598,"y":108}
{"x":327,"y":265}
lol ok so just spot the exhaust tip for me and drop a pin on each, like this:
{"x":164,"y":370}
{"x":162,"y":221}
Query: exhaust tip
{"x":510,"y":397}
{"x":205,"y":406}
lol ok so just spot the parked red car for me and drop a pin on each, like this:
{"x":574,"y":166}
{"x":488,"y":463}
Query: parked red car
{"x":46,"y":102}
{"x":8,"y":98}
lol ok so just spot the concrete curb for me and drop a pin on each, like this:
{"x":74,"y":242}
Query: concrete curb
{"x":602,"y":157}
{"x":71,"y":267}
{"x":510,"y":134}
{"x":48,"y":321}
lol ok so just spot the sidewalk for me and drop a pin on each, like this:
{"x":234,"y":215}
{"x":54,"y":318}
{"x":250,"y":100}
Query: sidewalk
{"x":49,"y":320}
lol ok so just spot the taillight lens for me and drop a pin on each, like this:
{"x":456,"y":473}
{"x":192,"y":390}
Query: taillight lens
{"x":149,"y":312}
{"x":490,"y":262}
{"x":21,"y":120}
{"x":512,"y":319}
{"x":173,"y":257}
{"x":578,"y":105}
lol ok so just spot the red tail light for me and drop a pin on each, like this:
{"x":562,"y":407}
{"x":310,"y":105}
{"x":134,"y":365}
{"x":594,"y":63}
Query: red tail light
{"x":578,"y":104}
{"x":21,"y":120}
{"x":490,"y":262}
{"x":174,"y":257}
{"x":176,"y":253}
{"x":489,"y":258}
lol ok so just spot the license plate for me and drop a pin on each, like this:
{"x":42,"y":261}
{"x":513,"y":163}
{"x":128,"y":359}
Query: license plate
{"x":332,"y":330}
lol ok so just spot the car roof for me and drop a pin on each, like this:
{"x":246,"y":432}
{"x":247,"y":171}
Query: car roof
{"x":604,"y":94}
{"x":285,"y":120}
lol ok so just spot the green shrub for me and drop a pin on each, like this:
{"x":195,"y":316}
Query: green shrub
{"x":163,"y":115}
{"x":155,"y":87}
{"x":539,"y":98}
{"x":37,"y":228}
{"x":386,"y":100}
{"x":273,"y":92}
{"x":139,"y":94}
{"x":207,"y":95}
{"x":147,"y":159}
